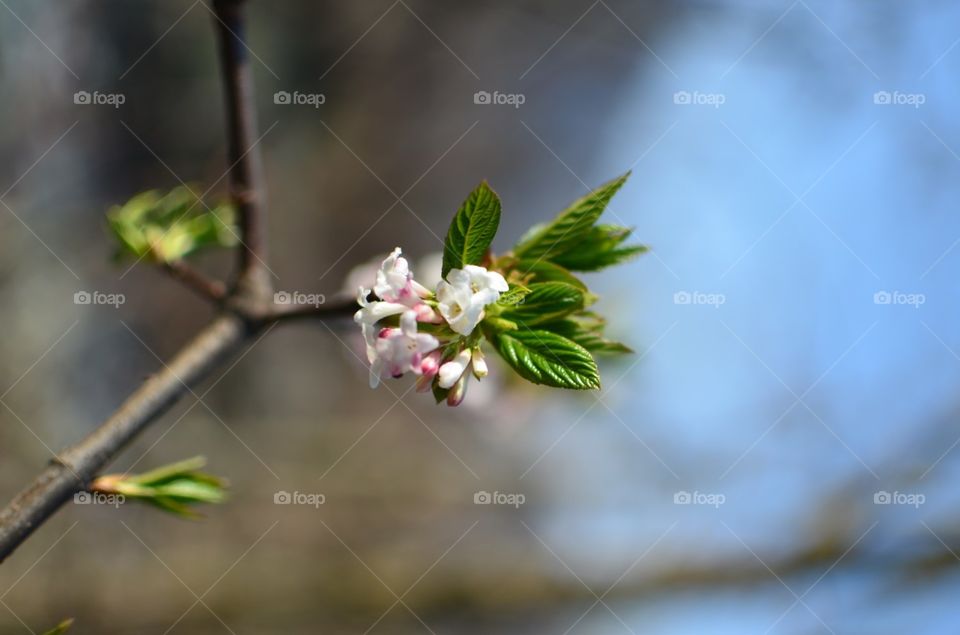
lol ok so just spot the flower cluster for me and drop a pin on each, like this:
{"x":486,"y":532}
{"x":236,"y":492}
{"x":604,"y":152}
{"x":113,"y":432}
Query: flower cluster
{"x":528,"y":304}
{"x":408,"y":328}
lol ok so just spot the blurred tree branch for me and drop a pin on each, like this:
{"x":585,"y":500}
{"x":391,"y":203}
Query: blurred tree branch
{"x":211,"y":289}
{"x":247,"y":309}
{"x":530,"y":583}
{"x":246,"y":174}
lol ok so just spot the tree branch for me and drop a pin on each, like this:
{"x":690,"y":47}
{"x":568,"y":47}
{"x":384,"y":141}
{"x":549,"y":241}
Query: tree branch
{"x":246,"y":174}
{"x":248,"y":308}
{"x":338,"y":306}
{"x":207,"y":288}
{"x":72,"y":470}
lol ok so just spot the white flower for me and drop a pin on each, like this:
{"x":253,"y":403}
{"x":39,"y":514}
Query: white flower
{"x":457,"y":303}
{"x":395,"y":281}
{"x":400,"y":350}
{"x":451,"y":371}
{"x":481,"y":279}
{"x":369,"y":314}
{"x":465,"y":293}
{"x":398,"y":293}
{"x":392,"y":351}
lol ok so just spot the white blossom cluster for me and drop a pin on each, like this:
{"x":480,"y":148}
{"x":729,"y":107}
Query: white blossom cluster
{"x":448,"y":316}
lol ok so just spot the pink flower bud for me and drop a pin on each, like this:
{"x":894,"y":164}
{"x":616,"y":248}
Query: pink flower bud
{"x":430,"y":364}
{"x":426,"y":314}
{"x":457,"y":393}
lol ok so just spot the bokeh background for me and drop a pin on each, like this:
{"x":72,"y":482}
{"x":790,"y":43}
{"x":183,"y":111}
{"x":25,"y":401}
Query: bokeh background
{"x":795,"y":173}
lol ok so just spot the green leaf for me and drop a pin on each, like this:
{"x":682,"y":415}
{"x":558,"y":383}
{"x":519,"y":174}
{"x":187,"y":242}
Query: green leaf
{"x":168,"y":227}
{"x":472,"y":229}
{"x":599,"y":248}
{"x":547,"y":301}
{"x":546,"y":358}
{"x":61,"y":628}
{"x":439,"y":394}
{"x":497,"y":323}
{"x":545,"y":271}
{"x":570,"y":226}
{"x":191,"y":490}
{"x":588,"y":335}
{"x":172,"y":506}
{"x":173,"y":487}
{"x":590,"y":321}
{"x":168,"y":472}
{"x":513,"y":296}
{"x":606,"y":259}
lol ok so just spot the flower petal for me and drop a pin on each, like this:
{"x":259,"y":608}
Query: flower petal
{"x":408,"y":323}
{"x":479,"y":364}
{"x":376,"y":368}
{"x":450,"y":372}
{"x":376,"y":311}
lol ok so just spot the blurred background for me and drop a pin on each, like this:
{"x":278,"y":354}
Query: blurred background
{"x":777,"y":456}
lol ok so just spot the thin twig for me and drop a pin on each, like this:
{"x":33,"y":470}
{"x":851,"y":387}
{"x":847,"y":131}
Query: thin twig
{"x":248,"y":309}
{"x":337,"y":306}
{"x":76,"y":466}
{"x":208,"y":288}
{"x":246,"y":174}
